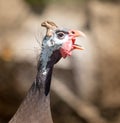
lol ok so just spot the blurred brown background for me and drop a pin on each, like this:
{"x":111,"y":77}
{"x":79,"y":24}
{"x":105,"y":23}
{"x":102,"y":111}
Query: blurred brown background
{"x":89,"y":89}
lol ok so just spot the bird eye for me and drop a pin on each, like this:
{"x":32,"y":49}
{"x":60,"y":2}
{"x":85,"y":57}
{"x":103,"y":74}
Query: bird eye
{"x":60,"y":35}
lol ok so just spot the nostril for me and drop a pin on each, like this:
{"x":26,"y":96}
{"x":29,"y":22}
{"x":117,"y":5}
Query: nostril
{"x":72,"y":32}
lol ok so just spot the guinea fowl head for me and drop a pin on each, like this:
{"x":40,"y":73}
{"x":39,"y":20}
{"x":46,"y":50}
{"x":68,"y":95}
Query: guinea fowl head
{"x":59,"y":41}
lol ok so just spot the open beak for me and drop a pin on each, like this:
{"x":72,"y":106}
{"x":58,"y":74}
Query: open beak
{"x":74,"y":34}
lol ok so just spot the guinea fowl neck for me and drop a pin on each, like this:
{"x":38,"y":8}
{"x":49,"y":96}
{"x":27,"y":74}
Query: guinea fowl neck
{"x":45,"y":68}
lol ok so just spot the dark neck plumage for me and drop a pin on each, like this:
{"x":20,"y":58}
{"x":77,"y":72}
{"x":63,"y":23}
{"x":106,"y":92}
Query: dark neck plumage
{"x":45,"y":68}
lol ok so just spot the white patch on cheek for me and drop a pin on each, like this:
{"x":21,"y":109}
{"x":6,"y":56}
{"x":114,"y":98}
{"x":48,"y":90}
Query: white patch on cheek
{"x":61,"y":41}
{"x":50,"y":43}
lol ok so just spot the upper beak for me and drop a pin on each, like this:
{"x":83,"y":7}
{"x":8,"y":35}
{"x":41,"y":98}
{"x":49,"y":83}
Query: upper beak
{"x":77,"y":33}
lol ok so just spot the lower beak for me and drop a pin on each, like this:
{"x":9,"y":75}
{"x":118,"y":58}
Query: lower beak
{"x":76,"y":46}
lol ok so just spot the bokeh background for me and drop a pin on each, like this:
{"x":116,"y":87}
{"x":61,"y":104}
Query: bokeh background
{"x":89,"y":89}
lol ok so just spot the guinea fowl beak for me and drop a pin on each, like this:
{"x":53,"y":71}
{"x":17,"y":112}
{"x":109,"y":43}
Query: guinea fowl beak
{"x":74,"y":34}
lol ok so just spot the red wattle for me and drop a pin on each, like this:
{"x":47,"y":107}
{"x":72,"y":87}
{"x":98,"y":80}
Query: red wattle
{"x":66,"y":49}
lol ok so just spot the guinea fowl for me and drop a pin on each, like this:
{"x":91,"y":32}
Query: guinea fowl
{"x":57,"y":43}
